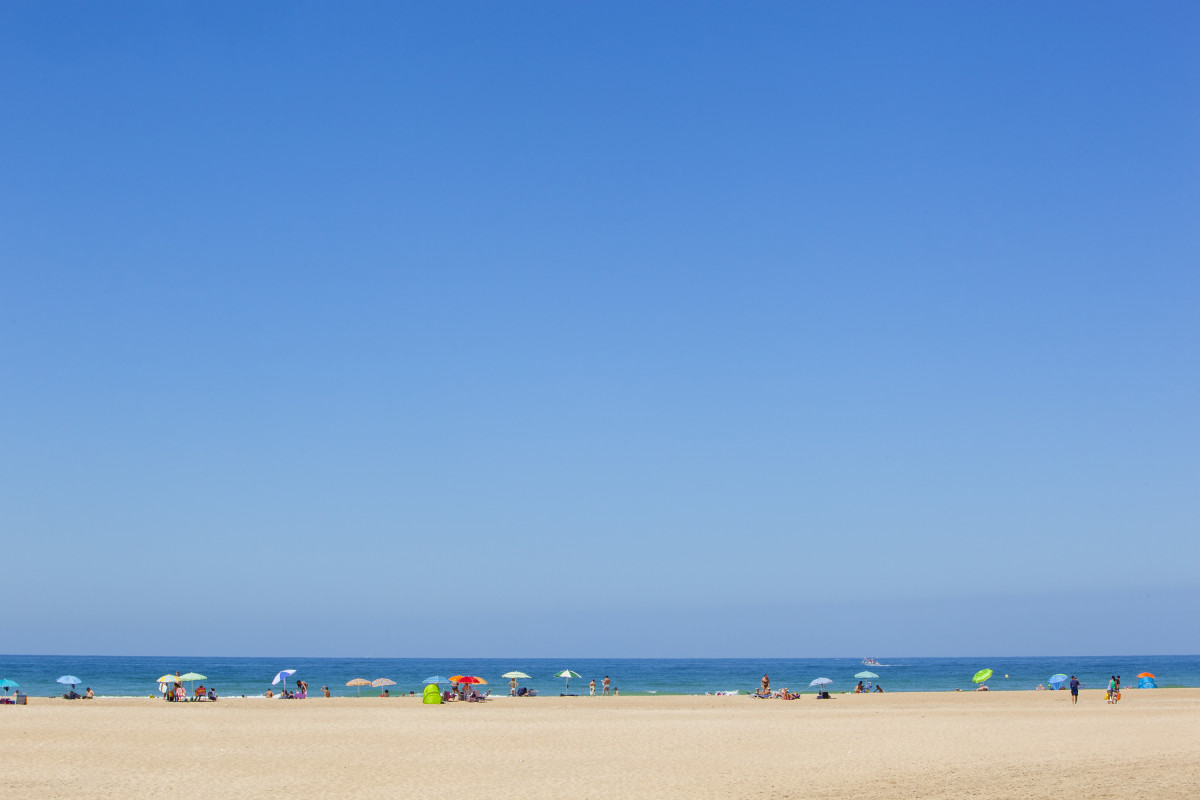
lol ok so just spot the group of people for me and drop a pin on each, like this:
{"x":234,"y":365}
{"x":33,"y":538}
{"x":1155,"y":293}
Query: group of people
{"x":1113,"y":695}
{"x":177,"y":694}
{"x":764,"y":690}
{"x":301,"y":692}
{"x":606,"y":687}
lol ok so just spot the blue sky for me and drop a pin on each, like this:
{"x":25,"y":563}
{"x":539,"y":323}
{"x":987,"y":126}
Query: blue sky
{"x":599,"y":329}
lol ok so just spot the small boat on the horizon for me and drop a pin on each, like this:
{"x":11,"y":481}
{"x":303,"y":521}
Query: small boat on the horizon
{"x":870,"y":662}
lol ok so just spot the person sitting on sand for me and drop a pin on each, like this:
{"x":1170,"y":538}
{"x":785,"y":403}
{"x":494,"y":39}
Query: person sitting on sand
{"x":325,"y":691}
{"x":90,"y":694}
{"x":199,"y":694}
{"x":859,"y":689}
{"x":269,"y":694}
{"x":212,"y":694}
{"x":385,"y":693}
{"x":981,"y":688}
{"x":879,"y":688}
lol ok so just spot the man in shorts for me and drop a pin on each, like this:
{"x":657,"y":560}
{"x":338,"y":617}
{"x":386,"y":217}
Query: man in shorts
{"x":607,"y":683}
{"x":1074,"y":690}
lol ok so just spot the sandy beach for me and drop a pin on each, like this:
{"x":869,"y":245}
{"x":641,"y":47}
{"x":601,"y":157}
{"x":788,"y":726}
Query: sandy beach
{"x":904,"y":745}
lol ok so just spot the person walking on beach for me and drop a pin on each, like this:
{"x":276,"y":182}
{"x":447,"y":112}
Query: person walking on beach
{"x":1112,"y":689}
{"x":607,"y":682}
{"x":592,"y":687}
{"x":1074,"y":690}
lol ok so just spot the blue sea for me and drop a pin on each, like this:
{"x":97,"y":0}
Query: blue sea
{"x":134,"y":676}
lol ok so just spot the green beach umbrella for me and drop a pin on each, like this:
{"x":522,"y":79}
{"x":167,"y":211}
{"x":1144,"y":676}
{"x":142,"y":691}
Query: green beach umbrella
{"x":865,"y":674}
{"x":189,"y":677}
{"x":514,"y":675}
{"x":982,"y":675}
{"x":566,"y":673}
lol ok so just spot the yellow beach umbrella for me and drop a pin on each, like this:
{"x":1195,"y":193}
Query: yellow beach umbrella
{"x":359,"y":682}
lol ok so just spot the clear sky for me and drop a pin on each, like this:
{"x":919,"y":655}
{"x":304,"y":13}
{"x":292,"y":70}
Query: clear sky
{"x":599,"y":329}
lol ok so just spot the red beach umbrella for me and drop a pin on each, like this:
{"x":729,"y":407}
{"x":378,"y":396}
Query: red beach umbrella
{"x":466,"y":679}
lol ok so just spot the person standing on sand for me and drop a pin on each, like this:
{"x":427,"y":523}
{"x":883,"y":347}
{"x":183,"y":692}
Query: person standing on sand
{"x":766,"y":685}
{"x":606,"y":684}
{"x":512,"y":687}
{"x":1074,"y":690}
{"x":592,"y":687}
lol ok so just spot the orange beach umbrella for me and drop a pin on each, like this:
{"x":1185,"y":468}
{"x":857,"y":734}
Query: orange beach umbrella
{"x":466,"y":679}
{"x":1145,"y":675}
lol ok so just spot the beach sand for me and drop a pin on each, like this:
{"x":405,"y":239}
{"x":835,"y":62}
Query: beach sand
{"x":905,"y":745}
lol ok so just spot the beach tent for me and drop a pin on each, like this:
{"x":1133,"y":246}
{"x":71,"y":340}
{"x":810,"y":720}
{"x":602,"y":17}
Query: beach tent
{"x":431,"y":695}
{"x":1147,"y":683}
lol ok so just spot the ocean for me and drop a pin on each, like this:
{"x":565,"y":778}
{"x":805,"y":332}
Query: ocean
{"x":134,"y":676}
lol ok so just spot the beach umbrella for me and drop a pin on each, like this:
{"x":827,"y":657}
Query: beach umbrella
{"x":1145,"y":675}
{"x":865,"y":674}
{"x":1056,"y":679}
{"x":820,"y":682}
{"x":436,"y":679}
{"x":470,"y":679}
{"x":69,"y":679}
{"x":358,"y":682}
{"x":190,"y":677}
{"x":382,"y":682}
{"x":7,"y":684}
{"x":282,"y":676}
{"x":514,"y":675}
{"x":166,"y":679}
{"x":566,"y":673}
{"x":982,"y":675}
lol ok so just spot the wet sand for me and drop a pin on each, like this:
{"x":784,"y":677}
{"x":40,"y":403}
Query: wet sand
{"x":905,"y":745}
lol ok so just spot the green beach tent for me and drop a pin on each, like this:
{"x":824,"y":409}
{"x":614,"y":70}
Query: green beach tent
{"x":431,"y":695}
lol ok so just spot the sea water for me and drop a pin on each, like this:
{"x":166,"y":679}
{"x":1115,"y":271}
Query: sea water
{"x":135,"y":676}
